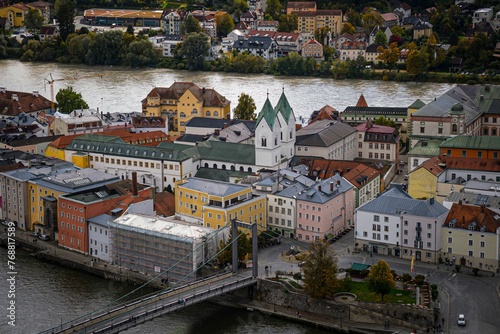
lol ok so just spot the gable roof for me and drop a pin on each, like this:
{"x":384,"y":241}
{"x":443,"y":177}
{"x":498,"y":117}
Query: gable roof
{"x":361,"y":101}
{"x":396,"y":202}
{"x":323,"y":133}
{"x":472,"y":142}
{"x":13,"y":103}
{"x":474,"y":218}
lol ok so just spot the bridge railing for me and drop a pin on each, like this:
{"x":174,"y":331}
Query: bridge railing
{"x":150,"y":298}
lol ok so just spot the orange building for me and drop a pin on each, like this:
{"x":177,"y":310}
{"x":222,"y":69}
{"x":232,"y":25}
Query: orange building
{"x":479,"y":147}
{"x":75,"y":209}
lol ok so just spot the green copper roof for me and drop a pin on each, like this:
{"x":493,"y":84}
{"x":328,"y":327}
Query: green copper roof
{"x":473,"y":142}
{"x":226,"y":152}
{"x":284,"y":107}
{"x":417,"y":104}
{"x":267,"y":113}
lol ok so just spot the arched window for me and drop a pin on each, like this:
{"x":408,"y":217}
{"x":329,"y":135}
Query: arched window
{"x":206,"y":164}
{"x":454,"y":128}
{"x":207,"y":113}
{"x":249,"y":169}
{"x":275,"y":140}
{"x":233,"y":168}
{"x":224,"y":167}
{"x":143,"y":180}
{"x":263,"y":142}
{"x":215,"y":166}
{"x":242,"y":169}
{"x":194,"y":112}
{"x":182,"y":114}
{"x":216,"y":114}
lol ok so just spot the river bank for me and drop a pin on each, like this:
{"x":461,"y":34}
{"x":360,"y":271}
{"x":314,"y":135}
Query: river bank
{"x":49,"y":252}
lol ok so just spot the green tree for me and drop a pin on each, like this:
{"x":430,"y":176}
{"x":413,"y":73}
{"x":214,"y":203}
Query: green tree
{"x":64,"y":12}
{"x":354,"y":18}
{"x":340,"y":69}
{"x":224,"y":23}
{"x":190,"y":25}
{"x":142,"y":54}
{"x":348,"y":28}
{"x":106,"y":49}
{"x":288,"y":23}
{"x":77,"y":48}
{"x":320,"y":270}
{"x":33,"y":20}
{"x":130,"y":30}
{"x":245,"y":108}
{"x":69,"y":100}
{"x":321,"y":34}
{"x":194,"y":49}
{"x":380,"y":38}
{"x":225,"y":248}
{"x":371,"y":19}
{"x":398,"y":31}
{"x":386,"y":122}
{"x":380,"y":279}
{"x":273,"y":9}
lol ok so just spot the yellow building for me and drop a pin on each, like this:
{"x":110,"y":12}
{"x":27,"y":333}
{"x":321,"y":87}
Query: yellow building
{"x":56,"y":149}
{"x":423,"y":181}
{"x":15,"y":14}
{"x":214,"y":203}
{"x":310,"y":21}
{"x":182,"y":101}
{"x":44,"y":193}
{"x":471,"y":237}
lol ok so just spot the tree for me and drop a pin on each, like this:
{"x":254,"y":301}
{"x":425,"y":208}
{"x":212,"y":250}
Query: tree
{"x":348,"y":28}
{"x":224,"y":23}
{"x":386,"y":122}
{"x":33,"y":20}
{"x":389,"y":56}
{"x":273,"y":9}
{"x":64,"y":12}
{"x":288,"y":23}
{"x":354,"y":18}
{"x":380,"y":279}
{"x":320,"y":270}
{"x":194,"y":49}
{"x":130,"y":29}
{"x":225,"y":248}
{"x":245,"y":108}
{"x":380,"y":38}
{"x":371,"y":19}
{"x":190,"y":25}
{"x":106,"y":49}
{"x":69,"y":100}
{"x":417,"y":62}
{"x":141,"y":54}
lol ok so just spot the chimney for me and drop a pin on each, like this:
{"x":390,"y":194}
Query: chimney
{"x":482,"y":207}
{"x":431,"y":201}
{"x":134,"y":184}
{"x":331,"y":186}
{"x":35,"y":93}
{"x":460,"y":202}
{"x":338,"y":183}
{"x":74,"y":113}
{"x":14,"y":97}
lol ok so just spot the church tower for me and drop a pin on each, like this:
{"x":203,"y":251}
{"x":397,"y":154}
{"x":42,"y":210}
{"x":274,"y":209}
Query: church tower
{"x":286,"y":118}
{"x":267,"y":137}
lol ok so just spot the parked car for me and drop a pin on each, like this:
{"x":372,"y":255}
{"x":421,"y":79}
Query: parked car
{"x":461,"y":320}
{"x":35,"y":234}
{"x":44,"y":237}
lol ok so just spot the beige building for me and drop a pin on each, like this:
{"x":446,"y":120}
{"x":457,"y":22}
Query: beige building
{"x":471,"y":237}
{"x":378,"y":142}
{"x":182,"y":101}
{"x":77,"y":125}
{"x":300,"y":6}
{"x":312,"y":49}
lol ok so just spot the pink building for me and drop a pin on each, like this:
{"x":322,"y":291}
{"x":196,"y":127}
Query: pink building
{"x":325,"y":210}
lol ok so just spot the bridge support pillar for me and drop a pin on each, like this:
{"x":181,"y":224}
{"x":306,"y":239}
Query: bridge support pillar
{"x":255,"y":251}
{"x":234,"y":245}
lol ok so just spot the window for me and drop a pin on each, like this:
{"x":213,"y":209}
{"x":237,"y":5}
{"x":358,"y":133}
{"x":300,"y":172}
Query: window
{"x":481,"y":244}
{"x":263,"y":142}
{"x":450,"y":240}
{"x":386,"y":228}
{"x":365,"y":234}
{"x":376,"y":218}
{"x":481,"y":255}
{"x":464,"y":154}
{"x":471,"y":243}
{"x":386,"y":219}
{"x":471,"y":253}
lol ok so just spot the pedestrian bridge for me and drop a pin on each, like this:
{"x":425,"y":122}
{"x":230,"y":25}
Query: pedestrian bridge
{"x":117,"y":318}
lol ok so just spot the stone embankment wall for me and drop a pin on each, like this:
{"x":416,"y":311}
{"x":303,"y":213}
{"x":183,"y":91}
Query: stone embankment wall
{"x":351,"y":310}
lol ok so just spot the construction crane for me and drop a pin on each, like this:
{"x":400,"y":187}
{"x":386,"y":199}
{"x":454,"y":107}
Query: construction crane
{"x":51,"y":83}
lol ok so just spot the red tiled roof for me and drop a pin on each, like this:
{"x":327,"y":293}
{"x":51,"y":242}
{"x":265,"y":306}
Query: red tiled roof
{"x":165,"y":203}
{"x":375,"y":128}
{"x":209,"y":96}
{"x":361,"y":101}
{"x":465,"y":215}
{"x":432,"y":166}
{"x":24,"y":102}
{"x":491,"y":165}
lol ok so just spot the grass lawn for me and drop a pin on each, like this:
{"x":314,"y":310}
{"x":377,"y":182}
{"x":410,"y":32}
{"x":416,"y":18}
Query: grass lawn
{"x":360,"y":289}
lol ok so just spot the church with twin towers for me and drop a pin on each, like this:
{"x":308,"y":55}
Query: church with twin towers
{"x":275,"y":134}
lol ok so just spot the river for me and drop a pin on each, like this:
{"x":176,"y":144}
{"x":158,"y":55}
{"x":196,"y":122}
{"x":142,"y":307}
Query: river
{"x":47,"y":294}
{"x":122,"y":89}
